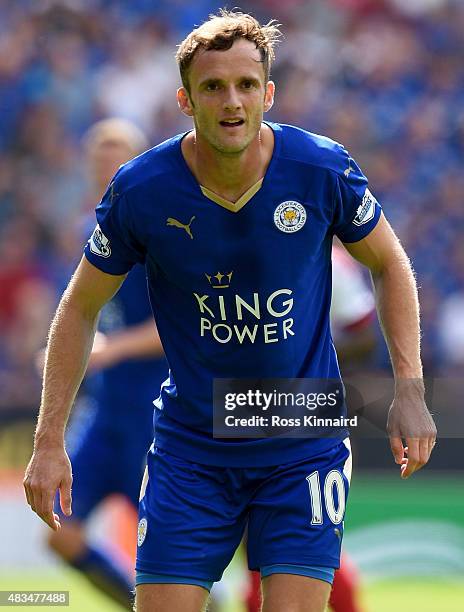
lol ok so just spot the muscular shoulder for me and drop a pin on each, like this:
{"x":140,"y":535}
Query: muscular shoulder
{"x":314,"y":150}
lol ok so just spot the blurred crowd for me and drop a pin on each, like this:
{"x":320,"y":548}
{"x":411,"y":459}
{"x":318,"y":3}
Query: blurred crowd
{"x":383,"y":77}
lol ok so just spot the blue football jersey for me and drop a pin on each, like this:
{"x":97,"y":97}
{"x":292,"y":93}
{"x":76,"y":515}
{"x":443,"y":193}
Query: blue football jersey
{"x":238,"y":290}
{"x":124,"y":392}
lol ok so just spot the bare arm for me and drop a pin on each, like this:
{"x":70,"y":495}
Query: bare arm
{"x":398,"y":310}
{"x":69,"y":345}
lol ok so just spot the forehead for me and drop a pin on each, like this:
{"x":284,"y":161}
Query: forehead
{"x":242,"y":59}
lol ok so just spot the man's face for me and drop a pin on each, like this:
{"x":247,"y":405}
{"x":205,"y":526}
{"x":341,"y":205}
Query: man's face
{"x":227,"y":96}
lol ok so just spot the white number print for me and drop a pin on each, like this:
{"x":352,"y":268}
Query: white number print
{"x":315,"y":494}
{"x":333,"y":479}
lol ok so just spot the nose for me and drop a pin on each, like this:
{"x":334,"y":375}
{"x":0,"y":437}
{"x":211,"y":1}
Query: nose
{"x":232,"y":100}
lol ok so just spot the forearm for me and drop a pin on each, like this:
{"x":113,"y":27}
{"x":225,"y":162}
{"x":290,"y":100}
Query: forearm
{"x":398,"y":310}
{"x":70,"y":342}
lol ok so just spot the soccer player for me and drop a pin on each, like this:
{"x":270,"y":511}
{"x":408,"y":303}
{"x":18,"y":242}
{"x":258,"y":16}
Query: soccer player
{"x":108,"y":450}
{"x":234,"y":221}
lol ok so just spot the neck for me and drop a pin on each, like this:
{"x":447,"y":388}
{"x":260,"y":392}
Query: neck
{"x":229,"y":175}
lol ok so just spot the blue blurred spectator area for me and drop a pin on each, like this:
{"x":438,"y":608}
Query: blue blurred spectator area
{"x":385,"y":78}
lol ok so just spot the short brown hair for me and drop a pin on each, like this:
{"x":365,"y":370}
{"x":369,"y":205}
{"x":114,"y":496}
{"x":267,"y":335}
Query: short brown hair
{"x":221,"y":31}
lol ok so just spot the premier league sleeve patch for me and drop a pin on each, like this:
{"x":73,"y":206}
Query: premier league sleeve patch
{"x":366,"y":209}
{"x":99,"y":243}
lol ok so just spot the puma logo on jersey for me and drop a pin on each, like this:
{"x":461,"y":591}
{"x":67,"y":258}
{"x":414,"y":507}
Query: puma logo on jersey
{"x":112,"y":194}
{"x":175,"y":223}
{"x":348,"y":170}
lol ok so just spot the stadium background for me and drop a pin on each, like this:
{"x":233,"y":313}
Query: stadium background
{"x":385,"y":78}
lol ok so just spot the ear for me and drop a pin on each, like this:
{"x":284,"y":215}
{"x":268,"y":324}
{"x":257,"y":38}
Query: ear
{"x":269,"y":96}
{"x":184,"y":103}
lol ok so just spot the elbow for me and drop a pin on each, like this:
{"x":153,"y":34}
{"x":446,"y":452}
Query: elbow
{"x":76,"y":306}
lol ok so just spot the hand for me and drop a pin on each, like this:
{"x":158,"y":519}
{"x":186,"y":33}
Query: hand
{"x":410,"y":420}
{"x":49,"y":469}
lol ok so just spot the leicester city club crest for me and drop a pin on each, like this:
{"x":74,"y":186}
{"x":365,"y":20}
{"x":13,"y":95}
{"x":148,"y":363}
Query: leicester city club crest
{"x":141,"y":531}
{"x":290,"y":216}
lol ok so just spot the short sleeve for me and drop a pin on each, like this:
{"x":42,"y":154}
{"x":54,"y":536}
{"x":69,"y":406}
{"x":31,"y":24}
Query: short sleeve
{"x":114,"y":246}
{"x":355,"y":210}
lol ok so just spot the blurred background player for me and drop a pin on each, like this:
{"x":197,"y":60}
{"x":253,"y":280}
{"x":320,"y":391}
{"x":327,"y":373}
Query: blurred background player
{"x":352,"y":313}
{"x":108,"y":443}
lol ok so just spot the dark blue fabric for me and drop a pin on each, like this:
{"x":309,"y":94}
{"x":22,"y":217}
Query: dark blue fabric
{"x":321,"y":573}
{"x":147,"y":578}
{"x":284,"y":277}
{"x":128,"y":389}
{"x":192,"y":517}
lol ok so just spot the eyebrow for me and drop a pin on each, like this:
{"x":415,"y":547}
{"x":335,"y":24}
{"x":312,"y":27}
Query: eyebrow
{"x":218,"y":80}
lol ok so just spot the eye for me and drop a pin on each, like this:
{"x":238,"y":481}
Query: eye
{"x":212,"y":87}
{"x":247,"y":84}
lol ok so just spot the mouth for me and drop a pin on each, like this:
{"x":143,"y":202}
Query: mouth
{"x":232,"y":123}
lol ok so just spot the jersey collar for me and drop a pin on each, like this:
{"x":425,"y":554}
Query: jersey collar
{"x":252,"y":191}
{"x":233,"y":206}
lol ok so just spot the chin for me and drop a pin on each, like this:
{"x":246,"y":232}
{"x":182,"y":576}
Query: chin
{"x":232,"y":147}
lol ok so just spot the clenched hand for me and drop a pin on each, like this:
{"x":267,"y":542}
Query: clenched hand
{"x":410,"y":420}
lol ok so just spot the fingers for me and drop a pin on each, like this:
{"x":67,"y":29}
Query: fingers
{"x":432,"y":439}
{"x":413,"y":458}
{"x":45,"y":509}
{"x":409,"y":419}
{"x":424,"y":452}
{"x":65,"y":497}
{"x":41,"y":502}
{"x":29,"y":492}
{"x":396,"y":445}
{"x":48,"y":470}
{"x":418,"y":453}
{"x":26,"y":491}
{"x":50,"y":518}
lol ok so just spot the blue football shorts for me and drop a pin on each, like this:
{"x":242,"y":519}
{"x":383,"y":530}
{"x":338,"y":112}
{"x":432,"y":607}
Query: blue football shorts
{"x":192,"y":517}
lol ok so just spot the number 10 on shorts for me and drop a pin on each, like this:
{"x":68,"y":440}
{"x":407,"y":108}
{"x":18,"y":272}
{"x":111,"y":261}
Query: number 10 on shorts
{"x":333,"y":480}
